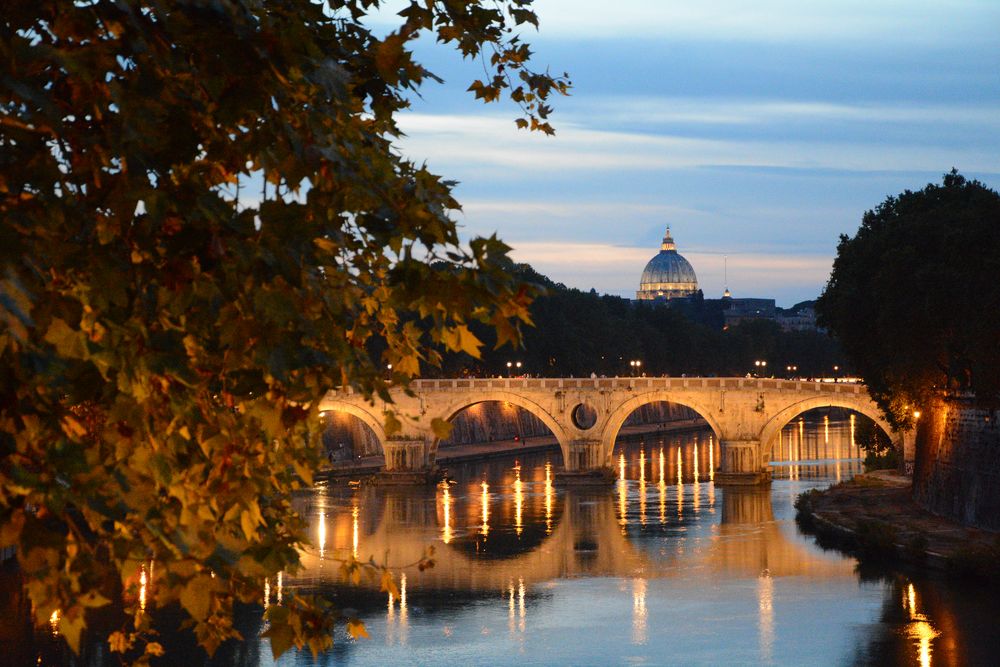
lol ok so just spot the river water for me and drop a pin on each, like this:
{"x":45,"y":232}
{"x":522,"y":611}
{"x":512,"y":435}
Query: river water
{"x":662,"y":569}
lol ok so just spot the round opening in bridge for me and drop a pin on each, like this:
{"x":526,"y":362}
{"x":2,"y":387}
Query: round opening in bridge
{"x":584,"y":416}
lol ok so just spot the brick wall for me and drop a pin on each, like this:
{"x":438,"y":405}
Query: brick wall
{"x":957,"y":467}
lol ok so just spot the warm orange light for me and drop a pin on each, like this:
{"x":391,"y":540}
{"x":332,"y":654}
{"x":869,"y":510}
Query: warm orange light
{"x":916,"y":414}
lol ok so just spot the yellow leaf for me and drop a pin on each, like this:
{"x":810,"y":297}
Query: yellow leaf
{"x":389,"y":584}
{"x":71,"y":626}
{"x":72,"y":427}
{"x":197,"y":596}
{"x":118,"y":642}
{"x":441,"y":428}
{"x":248,"y":525}
{"x":154,"y":648}
{"x":356,"y":629}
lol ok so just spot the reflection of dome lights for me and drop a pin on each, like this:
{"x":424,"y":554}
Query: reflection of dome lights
{"x":668,"y":275}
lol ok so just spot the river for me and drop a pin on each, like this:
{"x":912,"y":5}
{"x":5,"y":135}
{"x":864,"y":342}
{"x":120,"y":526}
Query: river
{"x":662,"y":569}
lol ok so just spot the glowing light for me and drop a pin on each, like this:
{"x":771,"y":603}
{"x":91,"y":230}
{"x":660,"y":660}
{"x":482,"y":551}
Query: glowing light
{"x":639,"y":614}
{"x":446,"y":533}
{"x":663,"y":489}
{"x":520,"y":602}
{"x":54,"y":623}
{"x":321,"y":535}
{"x":642,"y":487}
{"x":548,"y":498}
{"x":695,"y":462}
{"x":485,"y":499}
{"x":511,"y":615}
{"x":919,"y":629}
{"x":267,"y":593}
{"x":621,"y":467}
{"x":695,"y":490}
{"x":711,"y":470}
{"x":143,"y":581}
{"x":826,"y":430}
{"x":354,"y":530}
{"x":680,"y":485}
{"x":622,"y":504}
{"x":518,"y":501}
{"x":765,"y":610}
{"x":853,"y":444}
{"x":280,"y":588}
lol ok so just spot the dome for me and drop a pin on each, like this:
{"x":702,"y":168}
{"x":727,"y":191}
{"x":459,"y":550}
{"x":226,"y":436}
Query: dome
{"x":668,"y":275}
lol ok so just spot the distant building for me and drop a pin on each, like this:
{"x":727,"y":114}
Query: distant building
{"x":667,"y":276}
{"x":735,"y":311}
{"x":803,"y":319}
{"x":669,"y":279}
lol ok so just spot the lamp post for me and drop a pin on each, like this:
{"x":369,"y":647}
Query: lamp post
{"x":518,"y":366}
{"x":509,"y":364}
{"x":836,"y":373}
{"x":761,"y":367}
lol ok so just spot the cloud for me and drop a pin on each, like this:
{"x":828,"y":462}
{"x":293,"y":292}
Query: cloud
{"x":490,"y":146}
{"x":668,"y":110}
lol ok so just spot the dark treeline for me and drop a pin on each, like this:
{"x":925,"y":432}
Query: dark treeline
{"x":577,"y":333}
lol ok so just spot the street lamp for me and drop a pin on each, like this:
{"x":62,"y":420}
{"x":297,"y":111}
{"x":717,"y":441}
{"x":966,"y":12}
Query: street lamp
{"x":509,"y":364}
{"x":636,"y":365}
{"x":836,"y":373}
{"x":518,"y":365}
{"x":761,"y":366}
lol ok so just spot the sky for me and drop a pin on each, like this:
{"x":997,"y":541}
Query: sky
{"x":757,"y":131}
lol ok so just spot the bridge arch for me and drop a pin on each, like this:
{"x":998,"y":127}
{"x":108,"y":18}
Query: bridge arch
{"x":550,"y":421}
{"x":616,"y":419}
{"x":772,"y":428}
{"x":367,"y":417}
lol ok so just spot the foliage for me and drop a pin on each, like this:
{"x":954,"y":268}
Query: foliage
{"x":913,"y":296}
{"x":578,"y":333}
{"x":204,"y":223}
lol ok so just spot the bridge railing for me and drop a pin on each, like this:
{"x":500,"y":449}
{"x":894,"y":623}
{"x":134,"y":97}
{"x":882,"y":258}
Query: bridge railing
{"x":633,"y":383}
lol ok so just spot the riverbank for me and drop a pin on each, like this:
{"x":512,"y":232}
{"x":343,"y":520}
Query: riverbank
{"x":370,"y":465}
{"x":874,"y":517}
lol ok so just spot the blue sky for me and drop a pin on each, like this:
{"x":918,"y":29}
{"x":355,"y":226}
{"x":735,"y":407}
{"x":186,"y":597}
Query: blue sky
{"x":759,"y":131}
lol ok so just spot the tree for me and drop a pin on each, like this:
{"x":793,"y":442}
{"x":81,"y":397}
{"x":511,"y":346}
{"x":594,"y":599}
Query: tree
{"x":913,"y":296}
{"x":204,"y":225}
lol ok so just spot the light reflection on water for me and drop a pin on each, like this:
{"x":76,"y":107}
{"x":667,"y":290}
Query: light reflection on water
{"x":663,"y":569}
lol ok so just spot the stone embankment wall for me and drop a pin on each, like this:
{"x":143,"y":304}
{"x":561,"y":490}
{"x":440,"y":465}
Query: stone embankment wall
{"x":957,"y":468}
{"x":346,"y":435}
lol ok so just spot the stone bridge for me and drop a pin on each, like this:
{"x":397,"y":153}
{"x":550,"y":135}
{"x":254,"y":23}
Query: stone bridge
{"x":585,"y":415}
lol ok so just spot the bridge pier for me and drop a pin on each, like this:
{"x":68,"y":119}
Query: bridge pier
{"x":584,"y":465}
{"x":407,"y":462}
{"x":741,"y":464}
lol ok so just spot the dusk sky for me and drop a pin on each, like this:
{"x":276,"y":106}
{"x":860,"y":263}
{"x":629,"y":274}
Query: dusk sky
{"x":761,"y":131}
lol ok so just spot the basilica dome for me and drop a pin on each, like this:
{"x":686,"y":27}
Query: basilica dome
{"x":668,"y":275}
